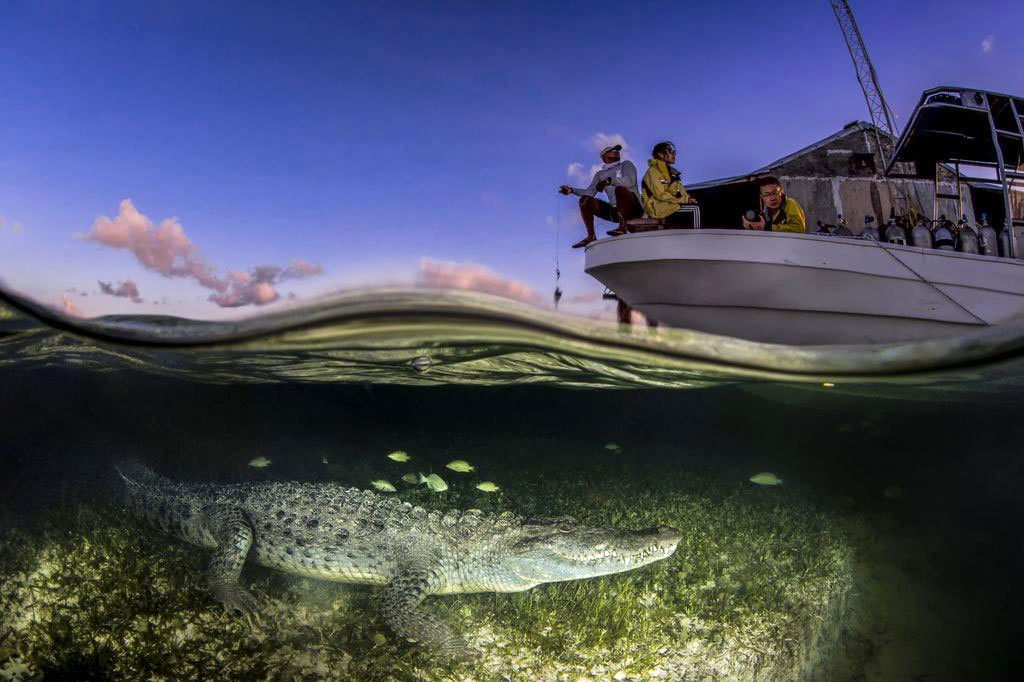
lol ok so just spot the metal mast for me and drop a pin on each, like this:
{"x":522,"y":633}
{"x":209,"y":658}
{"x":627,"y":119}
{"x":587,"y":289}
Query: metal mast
{"x":881,"y":115}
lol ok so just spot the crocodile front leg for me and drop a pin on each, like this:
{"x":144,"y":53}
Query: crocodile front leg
{"x":233,"y":534}
{"x":399,"y":606}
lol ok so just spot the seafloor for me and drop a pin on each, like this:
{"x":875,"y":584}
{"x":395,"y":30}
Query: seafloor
{"x":891,"y":551}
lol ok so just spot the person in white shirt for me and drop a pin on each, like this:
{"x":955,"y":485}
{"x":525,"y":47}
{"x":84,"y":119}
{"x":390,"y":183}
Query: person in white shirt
{"x":617,"y":179}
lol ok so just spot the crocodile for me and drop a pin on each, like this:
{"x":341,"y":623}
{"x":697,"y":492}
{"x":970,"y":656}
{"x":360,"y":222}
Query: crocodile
{"x":332,"y":532}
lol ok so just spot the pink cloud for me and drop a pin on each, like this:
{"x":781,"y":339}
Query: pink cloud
{"x":446,"y":275}
{"x":166,"y":249}
{"x":67,"y":305}
{"x":127,"y":289}
{"x":248,"y":288}
{"x":300,"y":268}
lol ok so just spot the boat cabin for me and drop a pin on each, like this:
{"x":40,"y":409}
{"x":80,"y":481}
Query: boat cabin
{"x":979,"y":133}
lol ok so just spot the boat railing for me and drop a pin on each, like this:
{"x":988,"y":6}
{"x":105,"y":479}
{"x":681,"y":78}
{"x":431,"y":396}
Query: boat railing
{"x":976,"y":135}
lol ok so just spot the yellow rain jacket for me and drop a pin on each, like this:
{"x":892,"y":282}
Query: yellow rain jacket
{"x":659,"y":191}
{"x":789,"y":218}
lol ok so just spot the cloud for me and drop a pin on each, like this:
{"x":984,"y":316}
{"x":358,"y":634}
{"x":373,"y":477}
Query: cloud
{"x":127,"y":289}
{"x":988,"y":42}
{"x":602,"y":140}
{"x":166,"y":249}
{"x":254,"y":287}
{"x":436,"y":274}
{"x":67,"y":305}
{"x":300,"y":269}
{"x":576,"y":172}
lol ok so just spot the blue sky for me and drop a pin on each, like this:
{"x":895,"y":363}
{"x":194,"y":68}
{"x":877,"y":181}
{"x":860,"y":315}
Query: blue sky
{"x":365,"y":137}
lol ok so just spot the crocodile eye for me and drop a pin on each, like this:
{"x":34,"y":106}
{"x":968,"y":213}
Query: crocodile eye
{"x":565,"y":528}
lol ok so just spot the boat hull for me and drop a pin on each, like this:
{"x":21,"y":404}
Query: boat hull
{"x":806,"y":289}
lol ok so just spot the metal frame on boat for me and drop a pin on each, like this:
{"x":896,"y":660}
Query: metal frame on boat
{"x":964,"y":126}
{"x":823,"y":289}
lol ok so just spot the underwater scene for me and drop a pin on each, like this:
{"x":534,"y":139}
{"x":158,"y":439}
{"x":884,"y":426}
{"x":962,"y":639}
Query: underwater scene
{"x":446,"y":486}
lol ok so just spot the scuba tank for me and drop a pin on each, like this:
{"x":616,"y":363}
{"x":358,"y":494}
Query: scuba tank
{"x":968,"y":238}
{"x":988,"y":239}
{"x":841,"y":230}
{"x":870,"y":231}
{"x":1004,"y":242}
{"x":921,"y":235}
{"x":894,"y":232}
{"x":943,"y":235}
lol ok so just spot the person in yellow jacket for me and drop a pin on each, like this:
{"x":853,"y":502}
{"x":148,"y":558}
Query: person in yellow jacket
{"x":779,"y":213}
{"x":663,"y":192}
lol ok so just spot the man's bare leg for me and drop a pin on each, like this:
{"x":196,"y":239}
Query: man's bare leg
{"x":627,"y":205}
{"x":587,"y":207}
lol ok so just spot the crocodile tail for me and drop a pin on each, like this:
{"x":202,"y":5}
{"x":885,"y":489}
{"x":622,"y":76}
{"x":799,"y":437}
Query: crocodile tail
{"x":135,"y":473}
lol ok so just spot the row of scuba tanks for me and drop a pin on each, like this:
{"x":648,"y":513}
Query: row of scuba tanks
{"x":942,"y":234}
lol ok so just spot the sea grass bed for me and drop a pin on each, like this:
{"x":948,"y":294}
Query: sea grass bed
{"x":758,"y":588}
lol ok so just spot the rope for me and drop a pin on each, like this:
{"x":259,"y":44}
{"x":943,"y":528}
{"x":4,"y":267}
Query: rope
{"x":918,"y":275}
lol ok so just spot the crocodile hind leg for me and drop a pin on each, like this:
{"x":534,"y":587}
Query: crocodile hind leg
{"x":399,"y":606}
{"x":233,"y":534}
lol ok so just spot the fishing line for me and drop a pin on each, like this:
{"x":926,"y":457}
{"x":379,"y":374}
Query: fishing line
{"x":558,"y":227}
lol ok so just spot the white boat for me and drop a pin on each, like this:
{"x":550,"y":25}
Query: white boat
{"x":810,"y":289}
{"x":804,"y":289}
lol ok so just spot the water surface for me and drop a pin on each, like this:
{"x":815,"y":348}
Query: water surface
{"x":891,"y":550}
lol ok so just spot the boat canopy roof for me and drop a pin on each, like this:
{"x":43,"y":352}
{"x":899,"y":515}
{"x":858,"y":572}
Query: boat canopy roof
{"x":960,"y":125}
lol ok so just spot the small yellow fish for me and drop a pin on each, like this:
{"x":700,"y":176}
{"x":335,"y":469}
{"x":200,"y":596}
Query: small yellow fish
{"x":399,"y":456}
{"x":613,"y":447}
{"x":410,"y":478}
{"x":766,"y":478}
{"x":381,"y":484}
{"x":488,"y":487}
{"x":379,"y":639}
{"x":434,"y":482}
{"x":259,"y":462}
{"x":460,"y":465}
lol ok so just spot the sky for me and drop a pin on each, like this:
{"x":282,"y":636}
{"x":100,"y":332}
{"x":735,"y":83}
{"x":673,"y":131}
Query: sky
{"x":220,"y":159}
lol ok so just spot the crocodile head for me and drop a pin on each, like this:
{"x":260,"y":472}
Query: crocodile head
{"x":553,"y":549}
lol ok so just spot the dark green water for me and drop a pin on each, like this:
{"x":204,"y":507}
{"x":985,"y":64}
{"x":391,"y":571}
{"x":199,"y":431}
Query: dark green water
{"x":892,"y":551}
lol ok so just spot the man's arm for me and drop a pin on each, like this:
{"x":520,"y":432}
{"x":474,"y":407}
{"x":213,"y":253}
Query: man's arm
{"x":660,"y":191}
{"x":687,"y":199}
{"x":590,"y":190}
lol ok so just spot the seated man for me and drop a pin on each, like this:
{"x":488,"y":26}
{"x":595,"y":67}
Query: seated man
{"x":779,"y":213}
{"x":617,"y":179}
{"x":663,"y":192}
